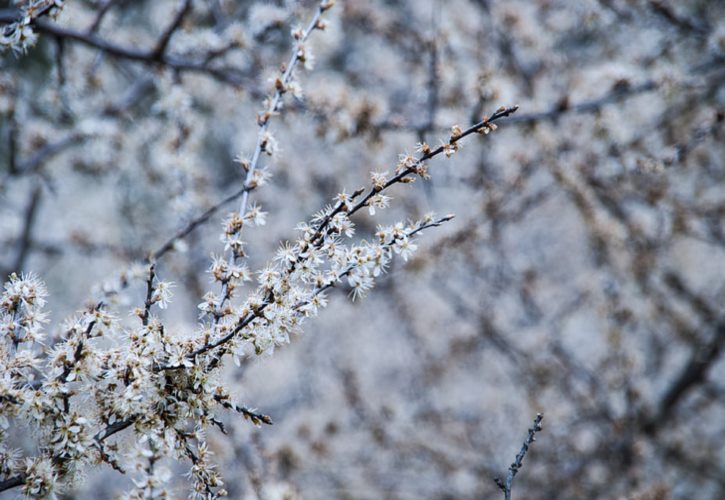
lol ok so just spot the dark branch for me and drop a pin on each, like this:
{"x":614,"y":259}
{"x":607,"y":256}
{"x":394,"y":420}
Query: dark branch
{"x":702,"y":358}
{"x":226,"y":75}
{"x":163,"y":42}
{"x":518,"y":461}
{"x":196,"y":222}
{"x":31,"y":212}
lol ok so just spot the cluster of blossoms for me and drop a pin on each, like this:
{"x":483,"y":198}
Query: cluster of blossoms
{"x":19,"y":36}
{"x":164,"y":386}
{"x":293,"y":286}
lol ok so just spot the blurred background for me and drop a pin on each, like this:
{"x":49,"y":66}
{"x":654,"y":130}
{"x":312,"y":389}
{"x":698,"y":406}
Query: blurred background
{"x":583,"y":276}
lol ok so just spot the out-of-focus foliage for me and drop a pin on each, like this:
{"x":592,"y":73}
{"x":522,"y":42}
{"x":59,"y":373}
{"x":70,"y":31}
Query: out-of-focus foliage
{"x":582,"y":278}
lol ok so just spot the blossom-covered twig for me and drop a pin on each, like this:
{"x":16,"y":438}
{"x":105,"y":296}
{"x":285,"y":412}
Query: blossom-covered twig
{"x":18,"y":34}
{"x":391,"y":238}
{"x":322,"y":235}
{"x":154,"y":365}
{"x":265,"y":144}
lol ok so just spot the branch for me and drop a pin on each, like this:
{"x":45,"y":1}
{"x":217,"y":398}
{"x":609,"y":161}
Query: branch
{"x":263,"y":120}
{"x":255,"y":417}
{"x":102,"y":11}
{"x":162,"y":44}
{"x":11,"y":483}
{"x":149,"y":294}
{"x":281,"y":86}
{"x":703,"y":356}
{"x":33,"y":163}
{"x":621,"y":90}
{"x":258,"y":312}
{"x":686,"y":25}
{"x":31,"y":212}
{"x":518,"y":461}
{"x":484,"y":126}
{"x":226,"y":75}
{"x":196,"y":222}
{"x":114,"y":428}
{"x":109,"y":431}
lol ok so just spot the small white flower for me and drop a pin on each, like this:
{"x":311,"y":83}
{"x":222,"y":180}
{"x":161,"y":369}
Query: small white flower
{"x":162,"y":294}
{"x":256,"y":216}
{"x":404,"y":248}
{"x":361,"y":283}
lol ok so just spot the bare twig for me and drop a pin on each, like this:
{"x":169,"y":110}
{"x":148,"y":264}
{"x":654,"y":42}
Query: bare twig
{"x":196,"y":222}
{"x":24,"y":243}
{"x":100,"y":15}
{"x":620,"y":91}
{"x":518,"y":461}
{"x":165,"y":38}
{"x":225,"y":75}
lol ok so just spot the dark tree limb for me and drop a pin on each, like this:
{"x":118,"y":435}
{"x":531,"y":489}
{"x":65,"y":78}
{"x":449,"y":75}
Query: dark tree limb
{"x":31,"y":212}
{"x":702,"y":358}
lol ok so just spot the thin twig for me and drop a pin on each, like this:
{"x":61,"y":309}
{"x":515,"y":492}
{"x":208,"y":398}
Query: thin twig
{"x":518,"y":461}
{"x":29,"y":219}
{"x":619,"y":92}
{"x":149,"y":294}
{"x":194,"y":223}
{"x":102,"y":11}
{"x":165,"y":38}
{"x":254,"y":416}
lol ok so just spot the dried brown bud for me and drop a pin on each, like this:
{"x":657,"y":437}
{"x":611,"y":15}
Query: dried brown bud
{"x":262,"y":118}
{"x":326,"y":5}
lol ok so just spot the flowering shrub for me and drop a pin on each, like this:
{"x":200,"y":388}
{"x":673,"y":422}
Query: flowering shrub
{"x":164,"y":387}
{"x":569,"y":285}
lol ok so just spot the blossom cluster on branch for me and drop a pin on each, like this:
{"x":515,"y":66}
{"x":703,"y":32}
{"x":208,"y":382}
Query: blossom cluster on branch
{"x":100,"y":377}
{"x":157,"y":157}
{"x":20,"y":35}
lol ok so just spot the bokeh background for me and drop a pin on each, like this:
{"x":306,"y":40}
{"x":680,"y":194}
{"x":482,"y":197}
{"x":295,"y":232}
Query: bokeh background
{"x":582,"y":277}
